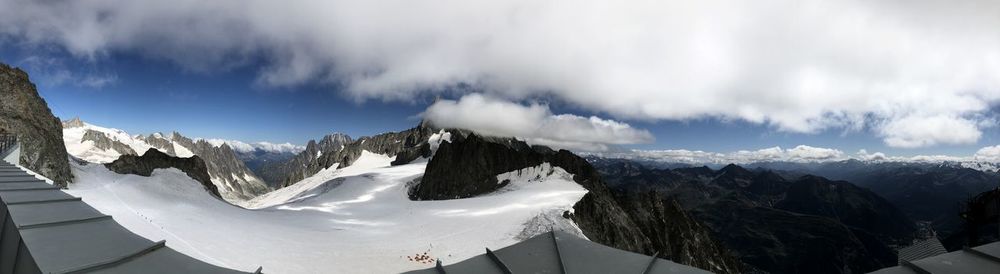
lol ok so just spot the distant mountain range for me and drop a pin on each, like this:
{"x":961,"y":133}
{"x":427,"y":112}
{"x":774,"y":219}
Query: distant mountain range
{"x":926,"y":192}
{"x":804,"y":224}
{"x":95,"y":144}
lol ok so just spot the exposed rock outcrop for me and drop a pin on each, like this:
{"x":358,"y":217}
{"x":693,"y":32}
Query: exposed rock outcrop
{"x":75,"y":122}
{"x":279,"y":174}
{"x":677,"y":235}
{"x":222,"y":164}
{"x":467,"y":166}
{"x":340,"y":149}
{"x":157,"y":141}
{"x":102,"y":141}
{"x":24,"y":113}
{"x":154,"y":159}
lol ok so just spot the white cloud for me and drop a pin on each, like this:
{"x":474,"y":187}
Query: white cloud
{"x":808,"y":153}
{"x":535,"y":123}
{"x":987,"y":158}
{"x":801,"y":154}
{"x":797,"y":66}
{"x":913,"y":132}
{"x":240,"y":146}
{"x":989,"y":154}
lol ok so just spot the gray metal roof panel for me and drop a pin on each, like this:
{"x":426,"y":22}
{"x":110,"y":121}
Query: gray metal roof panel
{"x":27,"y":196}
{"x":581,"y":256}
{"x":895,"y":270}
{"x":26,"y":185}
{"x":958,"y":262}
{"x":478,"y":264}
{"x":992,"y":249}
{"x":163,"y":261}
{"x":22,"y":178}
{"x":87,"y":242}
{"x":33,"y":214}
{"x":535,"y":255}
{"x":61,"y":233}
{"x":552,"y":252}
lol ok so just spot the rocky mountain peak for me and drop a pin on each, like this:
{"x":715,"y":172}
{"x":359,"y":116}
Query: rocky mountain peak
{"x":24,"y":113}
{"x":72,"y":123}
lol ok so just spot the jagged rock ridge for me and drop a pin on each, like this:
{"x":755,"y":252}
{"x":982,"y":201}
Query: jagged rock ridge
{"x":467,"y":166}
{"x":406,"y":145}
{"x":102,"y":141}
{"x":24,"y":113}
{"x":154,"y":159}
{"x":223,"y":166}
{"x":233,"y":179}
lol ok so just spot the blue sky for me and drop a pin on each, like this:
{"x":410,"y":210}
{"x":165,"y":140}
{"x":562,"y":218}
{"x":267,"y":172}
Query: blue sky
{"x":150,"y":95}
{"x":900,"y":78}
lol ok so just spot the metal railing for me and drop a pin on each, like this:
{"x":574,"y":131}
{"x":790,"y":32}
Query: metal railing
{"x":7,"y":141}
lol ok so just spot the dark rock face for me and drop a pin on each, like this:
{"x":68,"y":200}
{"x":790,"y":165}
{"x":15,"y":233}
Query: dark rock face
{"x":222,"y":164}
{"x":925,"y":192}
{"x":467,"y":166}
{"x":153,"y":159}
{"x":301,"y":166}
{"x":806,"y":225}
{"x":24,"y":113}
{"x":779,"y":241}
{"x":851,"y":205}
{"x":339,"y":149}
{"x":676,"y":235}
{"x":103,"y":142}
{"x":160,"y":143}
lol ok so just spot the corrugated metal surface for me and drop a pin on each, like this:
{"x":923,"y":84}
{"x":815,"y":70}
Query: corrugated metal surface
{"x":984,"y":259}
{"x":559,"y":252}
{"x":46,"y":230}
{"x":921,"y":249}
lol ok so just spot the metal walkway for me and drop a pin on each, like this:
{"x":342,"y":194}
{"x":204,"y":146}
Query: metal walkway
{"x":46,"y":230}
{"x":981,"y":259}
{"x":560,"y":252}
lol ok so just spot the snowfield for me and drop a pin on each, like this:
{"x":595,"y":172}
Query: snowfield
{"x":86,"y":150}
{"x":352,"y":220}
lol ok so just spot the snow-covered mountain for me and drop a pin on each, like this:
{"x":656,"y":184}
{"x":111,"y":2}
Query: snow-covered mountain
{"x":96,"y":144}
{"x":357,"y":208}
{"x":261,"y":157}
{"x":355,"y":219}
{"x":342,"y":150}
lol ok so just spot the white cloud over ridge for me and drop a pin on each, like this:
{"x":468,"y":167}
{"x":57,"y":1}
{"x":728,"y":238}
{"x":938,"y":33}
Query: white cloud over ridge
{"x":991,"y":154}
{"x":915,"y":73}
{"x":987,"y":158}
{"x":801,"y":153}
{"x":534,"y":123}
{"x":240,"y":146}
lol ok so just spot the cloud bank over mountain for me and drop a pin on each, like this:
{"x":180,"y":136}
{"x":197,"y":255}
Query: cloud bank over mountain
{"x":798,"y":154}
{"x":913,"y":73}
{"x":535,"y":123}
{"x":244,"y":147}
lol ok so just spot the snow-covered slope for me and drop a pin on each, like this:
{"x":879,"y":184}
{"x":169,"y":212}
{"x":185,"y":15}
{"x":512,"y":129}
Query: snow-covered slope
{"x":236,"y":183}
{"x":88,"y":151}
{"x":357,"y":219}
